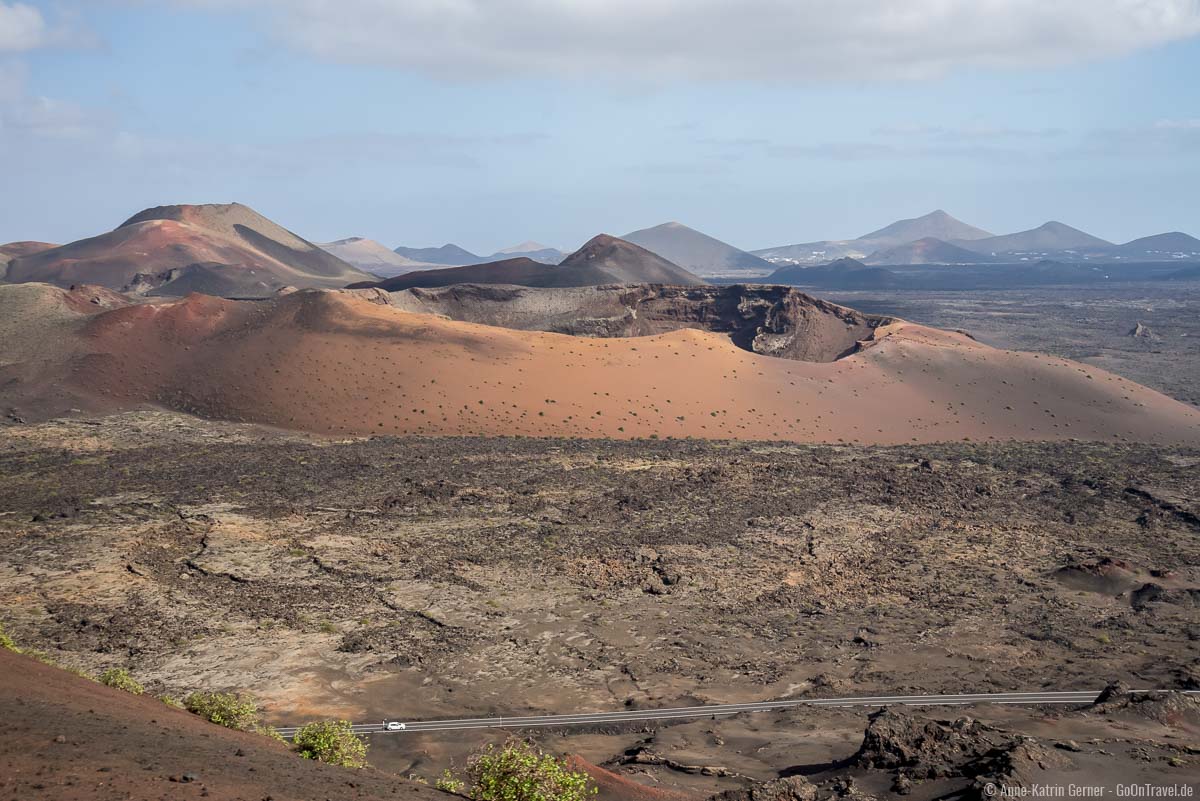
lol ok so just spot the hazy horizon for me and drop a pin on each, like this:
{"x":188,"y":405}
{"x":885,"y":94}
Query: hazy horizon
{"x":490,"y":124}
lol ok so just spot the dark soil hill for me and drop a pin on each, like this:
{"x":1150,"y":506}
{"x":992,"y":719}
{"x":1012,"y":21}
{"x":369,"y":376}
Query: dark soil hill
{"x":67,"y":738}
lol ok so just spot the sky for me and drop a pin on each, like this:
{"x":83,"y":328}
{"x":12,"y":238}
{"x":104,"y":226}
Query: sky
{"x":491,"y":122}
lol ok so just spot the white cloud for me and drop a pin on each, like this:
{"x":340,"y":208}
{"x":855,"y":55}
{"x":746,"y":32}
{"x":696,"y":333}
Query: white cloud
{"x":25,"y":114}
{"x":779,"y":40}
{"x":21,"y":27}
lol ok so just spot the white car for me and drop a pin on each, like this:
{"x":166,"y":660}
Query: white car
{"x":394,"y":725}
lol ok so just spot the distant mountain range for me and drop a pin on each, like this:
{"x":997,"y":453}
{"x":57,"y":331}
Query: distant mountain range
{"x":933,"y":238}
{"x":935,"y":225}
{"x":938,"y":238}
{"x":1049,"y":237}
{"x":230,"y":250}
{"x":450,"y":255}
{"x":603,"y":260}
{"x":927,"y":251}
{"x":453,"y":256}
{"x":375,"y":258}
{"x":531,"y":250}
{"x":699,"y":253}
{"x":1160,"y":247}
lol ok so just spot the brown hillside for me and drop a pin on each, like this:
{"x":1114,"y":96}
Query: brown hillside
{"x":628,"y":263}
{"x":338,"y":364}
{"x":71,"y":739}
{"x":17,"y":250}
{"x":175,"y":249}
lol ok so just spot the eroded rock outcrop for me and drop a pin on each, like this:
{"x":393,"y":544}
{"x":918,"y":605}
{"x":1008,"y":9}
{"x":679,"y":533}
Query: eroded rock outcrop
{"x":1167,"y":708}
{"x":920,"y":749}
{"x":771,"y":320}
{"x":791,"y":788}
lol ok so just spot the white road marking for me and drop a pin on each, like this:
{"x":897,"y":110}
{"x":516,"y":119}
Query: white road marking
{"x":1078,"y":697}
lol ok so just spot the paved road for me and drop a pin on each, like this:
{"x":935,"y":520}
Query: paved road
{"x":725,"y":710}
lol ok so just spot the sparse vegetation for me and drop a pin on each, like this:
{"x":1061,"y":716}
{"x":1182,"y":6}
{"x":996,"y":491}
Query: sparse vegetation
{"x":224,"y":709}
{"x":520,"y":771}
{"x":450,"y":783}
{"x":332,"y":741}
{"x":120,"y":679}
{"x":9,"y":644}
{"x":230,"y":710}
{"x":721,"y":515}
{"x":6,"y":641}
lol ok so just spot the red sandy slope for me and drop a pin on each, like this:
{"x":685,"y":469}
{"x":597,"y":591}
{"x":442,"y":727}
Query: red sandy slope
{"x":334,"y":363}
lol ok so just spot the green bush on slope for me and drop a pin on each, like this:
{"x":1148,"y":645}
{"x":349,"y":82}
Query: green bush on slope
{"x":119,"y":678}
{"x":6,"y":642}
{"x":230,"y":710}
{"x":332,"y":741}
{"x":519,"y":771}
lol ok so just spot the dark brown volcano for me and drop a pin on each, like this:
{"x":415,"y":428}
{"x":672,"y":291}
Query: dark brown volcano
{"x":628,"y":263}
{"x":603,"y":260}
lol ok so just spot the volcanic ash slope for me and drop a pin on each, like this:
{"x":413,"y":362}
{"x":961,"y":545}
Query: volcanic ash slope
{"x":336,"y":363}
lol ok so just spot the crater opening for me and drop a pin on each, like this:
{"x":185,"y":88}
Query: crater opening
{"x":769,"y":320}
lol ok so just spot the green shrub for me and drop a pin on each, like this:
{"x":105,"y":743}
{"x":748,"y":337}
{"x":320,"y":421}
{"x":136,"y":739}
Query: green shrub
{"x":519,"y":771}
{"x":225,"y":709}
{"x":332,"y":741}
{"x":269,"y":731}
{"x":450,"y":783}
{"x":119,"y":678}
{"x":171,"y":701}
{"x":6,"y":642}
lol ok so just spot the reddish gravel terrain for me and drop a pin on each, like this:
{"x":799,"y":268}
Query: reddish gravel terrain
{"x":611,"y":786}
{"x":336,"y":363}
